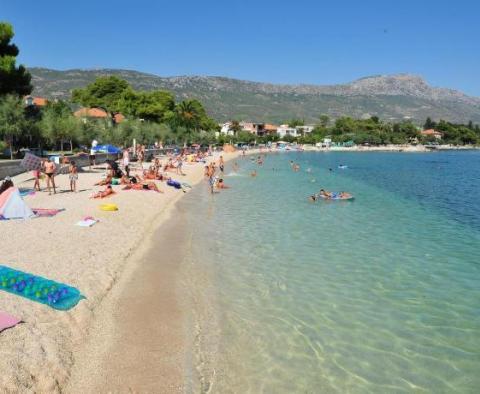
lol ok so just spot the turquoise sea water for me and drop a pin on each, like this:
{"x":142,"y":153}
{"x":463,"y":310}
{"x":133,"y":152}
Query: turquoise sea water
{"x":381,"y":294}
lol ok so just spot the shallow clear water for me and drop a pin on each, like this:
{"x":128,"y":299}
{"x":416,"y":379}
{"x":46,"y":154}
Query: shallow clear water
{"x":381,"y":294}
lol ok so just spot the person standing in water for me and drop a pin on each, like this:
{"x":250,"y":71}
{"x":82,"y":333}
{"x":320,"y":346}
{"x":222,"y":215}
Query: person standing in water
{"x":221,"y":164}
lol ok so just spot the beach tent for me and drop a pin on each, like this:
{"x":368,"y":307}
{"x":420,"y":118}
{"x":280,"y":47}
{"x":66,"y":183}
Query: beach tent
{"x":107,"y":149}
{"x":12,"y":206}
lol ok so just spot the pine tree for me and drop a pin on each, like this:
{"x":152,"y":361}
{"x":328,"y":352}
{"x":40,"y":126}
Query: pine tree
{"x":13,"y":79}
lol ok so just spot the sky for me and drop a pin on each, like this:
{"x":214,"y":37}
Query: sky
{"x":296,"y":41}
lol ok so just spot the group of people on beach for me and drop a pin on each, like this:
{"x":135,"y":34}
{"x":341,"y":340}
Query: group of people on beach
{"x":210,"y":172}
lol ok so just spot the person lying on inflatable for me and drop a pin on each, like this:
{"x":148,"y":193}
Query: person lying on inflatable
{"x":326,"y":195}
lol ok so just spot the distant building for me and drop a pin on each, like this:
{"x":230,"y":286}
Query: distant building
{"x":285,"y":129}
{"x":249,"y":127}
{"x":326,"y":143}
{"x":35,"y":101}
{"x":270,"y":128}
{"x":98,"y":113}
{"x":432,"y":133}
{"x":91,"y":113}
{"x":118,"y":118}
{"x":304,"y":129}
{"x":225,"y":128}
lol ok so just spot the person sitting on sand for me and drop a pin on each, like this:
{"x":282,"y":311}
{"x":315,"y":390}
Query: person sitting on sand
{"x":104,"y":193}
{"x":106,"y":181}
{"x":6,"y":184}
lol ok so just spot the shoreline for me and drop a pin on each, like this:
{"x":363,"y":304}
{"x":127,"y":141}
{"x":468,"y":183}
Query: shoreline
{"x":42,"y":354}
{"x":172,"y":339}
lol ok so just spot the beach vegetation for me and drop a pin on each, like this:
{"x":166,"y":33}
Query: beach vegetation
{"x":13,"y":79}
{"x":58,"y":125}
{"x":12,"y":120}
{"x":104,"y":92}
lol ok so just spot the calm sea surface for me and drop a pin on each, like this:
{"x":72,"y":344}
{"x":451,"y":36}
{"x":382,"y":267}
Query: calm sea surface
{"x":381,"y":294}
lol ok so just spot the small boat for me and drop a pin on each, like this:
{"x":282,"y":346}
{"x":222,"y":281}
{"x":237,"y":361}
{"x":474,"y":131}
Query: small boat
{"x":342,"y":166}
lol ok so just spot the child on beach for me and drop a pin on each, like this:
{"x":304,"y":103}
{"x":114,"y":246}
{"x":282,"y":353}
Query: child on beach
{"x":36,"y":184}
{"x":73,"y":175}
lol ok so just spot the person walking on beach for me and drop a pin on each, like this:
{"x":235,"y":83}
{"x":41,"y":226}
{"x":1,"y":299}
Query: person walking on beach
{"x":73,"y":175}
{"x":179,"y":165}
{"x":50,"y":169}
{"x":92,"y":154}
{"x":126,"y":161}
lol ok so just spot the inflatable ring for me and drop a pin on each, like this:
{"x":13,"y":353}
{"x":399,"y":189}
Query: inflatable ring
{"x":109,"y":207}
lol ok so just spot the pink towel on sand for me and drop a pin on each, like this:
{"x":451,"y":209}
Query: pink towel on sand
{"x":7,"y":321}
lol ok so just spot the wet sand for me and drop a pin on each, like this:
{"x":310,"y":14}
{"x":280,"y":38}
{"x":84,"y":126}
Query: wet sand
{"x":137,"y":343}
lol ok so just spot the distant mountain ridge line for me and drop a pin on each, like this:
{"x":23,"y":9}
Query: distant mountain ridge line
{"x":397,"y":96}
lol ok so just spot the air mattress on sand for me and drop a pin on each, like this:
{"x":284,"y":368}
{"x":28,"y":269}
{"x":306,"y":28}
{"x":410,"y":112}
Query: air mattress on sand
{"x":55,"y":295}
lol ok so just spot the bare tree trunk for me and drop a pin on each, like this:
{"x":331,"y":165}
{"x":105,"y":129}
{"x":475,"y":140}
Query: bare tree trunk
{"x":61,"y":145}
{"x":71,"y":146}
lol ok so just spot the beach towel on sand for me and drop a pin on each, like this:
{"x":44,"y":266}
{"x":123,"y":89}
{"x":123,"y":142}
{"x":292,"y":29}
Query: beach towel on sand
{"x":87,"y":222}
{"x":26,"y":192}
{"x":55,"y":295}
{"x":7,"y":321}
{"x":45,"y":212}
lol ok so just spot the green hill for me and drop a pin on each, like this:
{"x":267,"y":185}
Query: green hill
{"x":393,"y":97}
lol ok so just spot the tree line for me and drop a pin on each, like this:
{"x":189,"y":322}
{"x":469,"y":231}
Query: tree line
{"x":156,"y":116}
{"x":150,"y":116}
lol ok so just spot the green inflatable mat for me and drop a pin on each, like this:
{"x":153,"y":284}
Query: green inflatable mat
{"x":55,"y":295}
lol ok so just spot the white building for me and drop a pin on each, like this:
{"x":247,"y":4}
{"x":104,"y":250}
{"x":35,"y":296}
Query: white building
{"x":304,"y":129}
{"x":285,"y":129}
{"x":225,"y":128}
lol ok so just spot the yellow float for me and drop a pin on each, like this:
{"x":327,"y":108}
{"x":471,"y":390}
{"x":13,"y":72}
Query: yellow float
{"x":109,"y":207}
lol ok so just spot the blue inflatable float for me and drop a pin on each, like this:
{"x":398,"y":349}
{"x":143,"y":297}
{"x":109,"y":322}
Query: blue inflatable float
{"x":55,"y":295}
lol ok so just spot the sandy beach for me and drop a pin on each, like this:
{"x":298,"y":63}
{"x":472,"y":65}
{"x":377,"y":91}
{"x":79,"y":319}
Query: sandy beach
{"x":105,"y":336}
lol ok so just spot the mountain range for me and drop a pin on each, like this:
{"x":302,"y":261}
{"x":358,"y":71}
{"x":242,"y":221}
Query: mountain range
{"x":390,"y":97}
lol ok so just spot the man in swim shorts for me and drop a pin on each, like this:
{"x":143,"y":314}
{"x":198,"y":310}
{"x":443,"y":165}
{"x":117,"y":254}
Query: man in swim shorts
{"x":50,"y":168}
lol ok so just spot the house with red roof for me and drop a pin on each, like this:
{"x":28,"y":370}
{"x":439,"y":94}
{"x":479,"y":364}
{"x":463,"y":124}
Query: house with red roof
{"x":98,"y":113}
{"x":432,"y":133}
{"x":35,"y":101}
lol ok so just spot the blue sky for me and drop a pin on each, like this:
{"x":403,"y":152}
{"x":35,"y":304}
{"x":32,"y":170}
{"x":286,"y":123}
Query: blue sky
{"x":301,"y":41}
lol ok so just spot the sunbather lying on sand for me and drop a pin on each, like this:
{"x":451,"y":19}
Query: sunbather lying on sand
{"x":104,"y":193}
{"x":151,"y":174}
{"x":143,"y":186}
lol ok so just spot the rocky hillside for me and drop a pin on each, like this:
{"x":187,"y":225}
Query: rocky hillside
{"x":393,"y":97}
